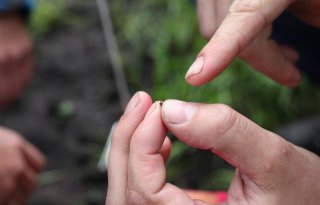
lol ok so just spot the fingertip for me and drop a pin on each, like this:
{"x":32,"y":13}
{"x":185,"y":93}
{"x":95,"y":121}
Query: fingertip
{"x":140,"y":98}
{"x":211,"y":61}
{"x":42,"y":161}
{"x":145,"y":99}
{"x":196,"y":67}
{"x":176,"y":112}
{"x":35,"y":158}
{"x":144,"y":95}
{"x":199,"y":72}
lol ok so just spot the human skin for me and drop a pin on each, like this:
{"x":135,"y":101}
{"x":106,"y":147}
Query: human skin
{"x":20,"y":162}
{"x":243,"y":28}
{"x":16,"y":63}
{"x":269,"y":170}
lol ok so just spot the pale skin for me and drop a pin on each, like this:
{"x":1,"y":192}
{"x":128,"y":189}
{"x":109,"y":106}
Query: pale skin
{"x":16,"y":63}
{"x":20,"y":163}
{"x":243,"y":28}
{"x":270,"y":170}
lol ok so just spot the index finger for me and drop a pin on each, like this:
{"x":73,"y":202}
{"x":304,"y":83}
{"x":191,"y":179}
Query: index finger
{"x":34,"y":157}
{"x":245,"y":20}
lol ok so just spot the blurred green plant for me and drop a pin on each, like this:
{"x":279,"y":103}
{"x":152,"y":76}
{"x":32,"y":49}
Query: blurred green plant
{"x":47,"y":15}
{"x":65,"y":110}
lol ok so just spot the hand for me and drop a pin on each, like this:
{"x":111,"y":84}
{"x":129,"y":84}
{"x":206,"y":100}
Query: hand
{"x":243,"y":28}
{"x":270,"y":170}
{"x":19,"y":164}
{"x":15,"y":57}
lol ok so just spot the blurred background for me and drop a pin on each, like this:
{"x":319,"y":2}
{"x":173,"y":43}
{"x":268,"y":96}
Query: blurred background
{"x":72,"y":102}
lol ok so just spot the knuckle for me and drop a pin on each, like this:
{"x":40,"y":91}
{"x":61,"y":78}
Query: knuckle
{"x":226,"y":117}
{"x":277,"y":155}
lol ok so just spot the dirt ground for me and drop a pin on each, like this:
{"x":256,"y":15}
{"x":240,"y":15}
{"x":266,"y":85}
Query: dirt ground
{"x":68,"y":109}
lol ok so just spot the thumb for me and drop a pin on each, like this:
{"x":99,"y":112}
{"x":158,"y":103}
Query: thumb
{"x":256,"y":152}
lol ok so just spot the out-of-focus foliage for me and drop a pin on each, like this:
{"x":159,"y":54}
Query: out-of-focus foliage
{"x":46,"y":15}
{"x":50,"y":14}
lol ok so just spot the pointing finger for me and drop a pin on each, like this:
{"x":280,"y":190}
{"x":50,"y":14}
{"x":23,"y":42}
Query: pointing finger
{"x":245,"y":20}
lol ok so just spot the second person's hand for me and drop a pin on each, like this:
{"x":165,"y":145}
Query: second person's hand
{"x":243,"y":28}
{"x":20,"y":163}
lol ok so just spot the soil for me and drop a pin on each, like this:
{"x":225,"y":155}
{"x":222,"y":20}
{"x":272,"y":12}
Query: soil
{"x":68,"y":109}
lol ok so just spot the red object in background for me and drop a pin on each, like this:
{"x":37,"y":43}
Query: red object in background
{"x":208,"y":196}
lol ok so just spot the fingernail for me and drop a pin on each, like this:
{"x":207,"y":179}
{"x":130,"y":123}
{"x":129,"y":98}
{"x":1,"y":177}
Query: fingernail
{"x":152,"y":109}
{"x":196,"y":67}
{"x":177,"y":112}
{"x":135,"y":100}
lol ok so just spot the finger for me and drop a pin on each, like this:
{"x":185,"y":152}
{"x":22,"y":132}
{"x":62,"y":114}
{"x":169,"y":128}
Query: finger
{"x":147,"y":171}
{"x":211,"y":14}
{"x":290,"y":54}
{"x":145,"y":161}
{"x":166,"y":149}
{"x":7,"y":187}
{"x":267,"y":57}
{"x":256,"y":152}
{"x":34,"y":157}
{"x":118,"y":160}
{"x":207,"y":17}
{"x":236,"y":189}
{"x":18,"y":197}
{"x":28,"y":181}
{"x":245,"y":20}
